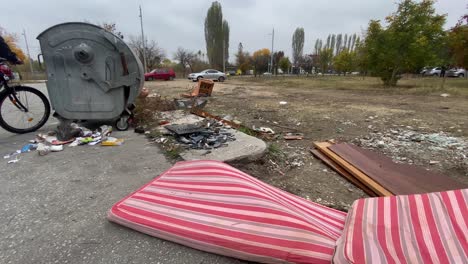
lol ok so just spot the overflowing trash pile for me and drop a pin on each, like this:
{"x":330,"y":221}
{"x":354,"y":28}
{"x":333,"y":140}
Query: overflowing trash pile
{"x":209,"y":134}
{"x":43,"y":144}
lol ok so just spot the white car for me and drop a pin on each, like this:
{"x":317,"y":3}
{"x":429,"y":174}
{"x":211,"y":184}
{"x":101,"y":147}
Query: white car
{"x":208,"y":74}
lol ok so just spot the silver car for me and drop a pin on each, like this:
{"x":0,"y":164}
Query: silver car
{"x":456,"y":72}
{"x":208,"y":74}
{"x":434,"y":72}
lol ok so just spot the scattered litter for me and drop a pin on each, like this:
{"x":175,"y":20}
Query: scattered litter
{"x":293,"y":136}
{"x":56,"y":148}
{"x":434,"y":162}
{"x":111,"y":141}
{"x":14,"y":160}
{"x":283,"y":103}
{"x":263,"y":130}
{"x":43,"y":149}
{"x":28,"y":148}
{"x":64,"y":142}
{"x":139,"y":130}
{"x":445,"y":95}
{"x":11,"y":155}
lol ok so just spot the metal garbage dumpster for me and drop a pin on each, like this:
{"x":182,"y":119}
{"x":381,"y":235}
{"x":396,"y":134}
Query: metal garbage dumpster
{"x":92,"y":74}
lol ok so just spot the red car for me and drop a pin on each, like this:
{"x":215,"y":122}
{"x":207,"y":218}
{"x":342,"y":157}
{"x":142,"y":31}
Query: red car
{"x":161,"y":74}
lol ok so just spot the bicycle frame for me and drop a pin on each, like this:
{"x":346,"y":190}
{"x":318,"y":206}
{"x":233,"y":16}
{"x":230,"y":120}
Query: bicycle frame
{"x":10,"y":90}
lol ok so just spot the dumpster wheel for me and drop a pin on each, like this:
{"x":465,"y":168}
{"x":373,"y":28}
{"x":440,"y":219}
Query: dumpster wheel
{"x":123,"y":123}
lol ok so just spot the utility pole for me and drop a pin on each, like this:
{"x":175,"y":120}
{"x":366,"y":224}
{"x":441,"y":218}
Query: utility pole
{"x":224,"y":55}
{"x":143,"y":41}
{"x":272,"y":45}
{"x":27,"y":49}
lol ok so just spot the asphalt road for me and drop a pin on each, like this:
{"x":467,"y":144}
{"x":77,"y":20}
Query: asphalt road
{"x":53,"y":208}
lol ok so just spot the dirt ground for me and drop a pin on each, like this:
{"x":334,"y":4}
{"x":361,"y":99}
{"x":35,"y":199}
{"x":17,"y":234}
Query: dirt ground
{"x":346,"y":109}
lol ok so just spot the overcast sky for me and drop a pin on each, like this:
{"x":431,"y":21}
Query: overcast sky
{"x":181,"y":23}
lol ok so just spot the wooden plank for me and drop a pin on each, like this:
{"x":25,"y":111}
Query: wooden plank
{"x":400,"y":179}
{"x":318,"y":154}
{"x":366,"y":180}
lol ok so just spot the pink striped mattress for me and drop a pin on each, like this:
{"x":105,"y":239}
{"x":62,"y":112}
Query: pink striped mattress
{"x":425,"y":228}
{"x":211,"y":206}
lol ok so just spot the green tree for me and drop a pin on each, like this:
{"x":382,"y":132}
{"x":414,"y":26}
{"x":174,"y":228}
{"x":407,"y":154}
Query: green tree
{"x":284,"y":64}
{"x":297,"y":45}
{"x":216,"y":35}
{"x":325,"y":59}
{"x":277,"y":56}
{"x":413,"y":38}
{"x":345,"y":61}
{"x":458,"y":43}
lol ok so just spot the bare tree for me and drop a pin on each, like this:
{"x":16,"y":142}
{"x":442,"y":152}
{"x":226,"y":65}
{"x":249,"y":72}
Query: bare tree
{"x":111,"y":27}
{"x":185,"y":57}
{"x":154,"y":54}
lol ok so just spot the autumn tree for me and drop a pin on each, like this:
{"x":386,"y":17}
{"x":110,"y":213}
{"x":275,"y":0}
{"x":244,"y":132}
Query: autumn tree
{"x":12,"y":41}
{"x":216,"y":36}
{"x":458,"y":43}
{"x":153,"y":53}
{"x":297,"y":45}
{"x":260,"y":59}
{"x":413,"y":38}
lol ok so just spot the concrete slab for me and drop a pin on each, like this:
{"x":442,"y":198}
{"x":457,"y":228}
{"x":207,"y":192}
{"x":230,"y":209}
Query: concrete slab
{"x":245,"y":147}
{"x":54,"y":207}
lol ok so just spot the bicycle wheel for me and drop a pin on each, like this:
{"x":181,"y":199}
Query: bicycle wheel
{"x":27,"y":112}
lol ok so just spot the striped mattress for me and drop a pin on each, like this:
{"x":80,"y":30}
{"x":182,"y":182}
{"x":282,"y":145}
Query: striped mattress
{"x":211,"y":206}
{"x":426,"y":228}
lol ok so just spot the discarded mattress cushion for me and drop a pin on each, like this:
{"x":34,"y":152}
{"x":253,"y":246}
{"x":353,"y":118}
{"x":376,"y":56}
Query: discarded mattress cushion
{"x":422,"y":228}
{"x":211,"y":206}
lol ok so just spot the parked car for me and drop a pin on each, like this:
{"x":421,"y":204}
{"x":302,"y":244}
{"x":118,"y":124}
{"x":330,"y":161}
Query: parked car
{"x":208,"y":74}
{"x":434,"y":72}
{"x":425,"y":71}
{"x":160,"y":74}
{"x":456,"y":72}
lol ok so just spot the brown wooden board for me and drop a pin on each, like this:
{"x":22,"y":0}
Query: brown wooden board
{"x":363,"y":178}
{"x":397,"y":178}
{"x":318,"y":154}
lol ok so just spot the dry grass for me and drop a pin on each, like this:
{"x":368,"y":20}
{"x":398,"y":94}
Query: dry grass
{"x":415,"y":86}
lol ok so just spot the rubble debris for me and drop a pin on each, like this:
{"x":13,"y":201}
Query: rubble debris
{"x":144,"y":92}
{"x":209,"y":134}
{"x":190,"y":103}
{"x":203,"y":88}
{"x":400,"y":142}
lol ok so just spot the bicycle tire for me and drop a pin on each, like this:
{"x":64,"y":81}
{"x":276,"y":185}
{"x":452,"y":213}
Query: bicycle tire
{"x":45,"y":117}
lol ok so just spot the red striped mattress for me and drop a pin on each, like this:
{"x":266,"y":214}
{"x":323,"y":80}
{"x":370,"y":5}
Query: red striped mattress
{"x":425,"y":228}
{"x":214,"y":207}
